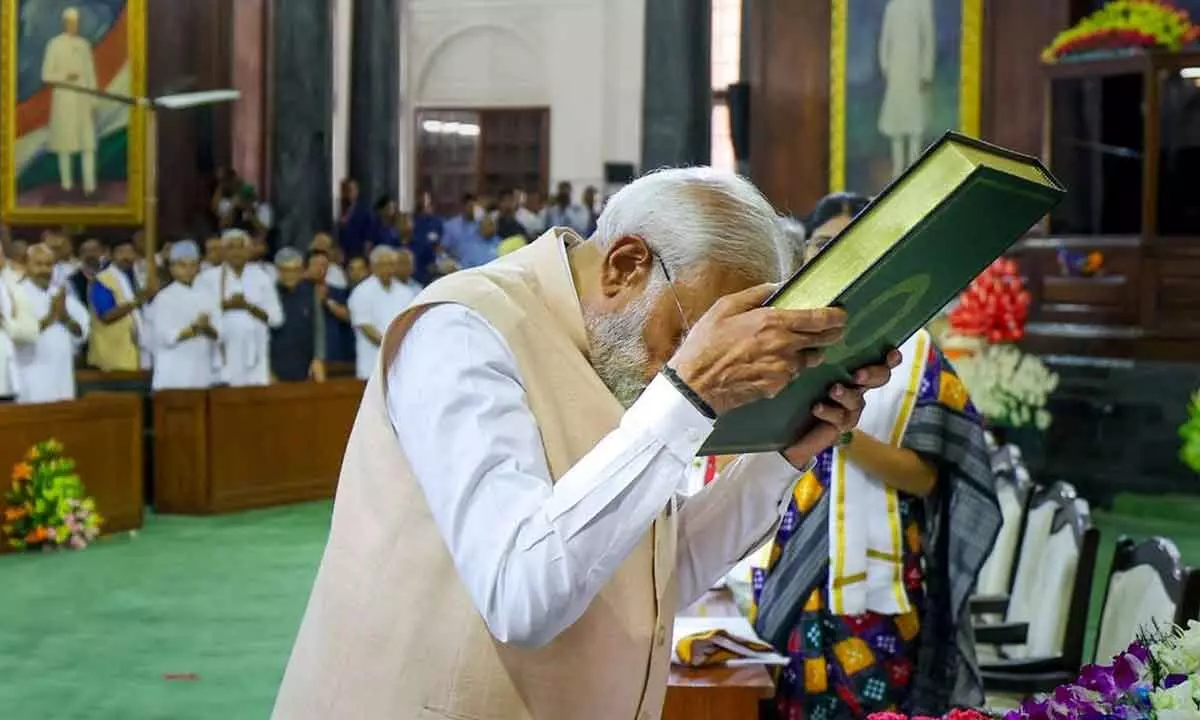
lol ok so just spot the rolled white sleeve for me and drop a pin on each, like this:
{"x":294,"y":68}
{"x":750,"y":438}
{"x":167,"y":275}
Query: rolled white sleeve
{"x":729,"y":519}
{"x":533,"y":554}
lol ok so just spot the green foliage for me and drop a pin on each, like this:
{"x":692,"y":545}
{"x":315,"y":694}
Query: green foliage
{"x":47,"y":505}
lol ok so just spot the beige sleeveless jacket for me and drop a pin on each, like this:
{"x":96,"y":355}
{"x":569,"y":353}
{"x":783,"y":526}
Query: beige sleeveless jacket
{"x":390,"y":631}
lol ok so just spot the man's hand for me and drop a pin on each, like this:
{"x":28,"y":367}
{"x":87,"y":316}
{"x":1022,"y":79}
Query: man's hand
{"x":840,"y":412}
{"x":740,"y":351}
{"x":58,"y":306}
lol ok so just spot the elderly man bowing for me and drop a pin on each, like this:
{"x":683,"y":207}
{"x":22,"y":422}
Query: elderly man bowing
{"x":249,"y":308}
{"x":507,"y":542}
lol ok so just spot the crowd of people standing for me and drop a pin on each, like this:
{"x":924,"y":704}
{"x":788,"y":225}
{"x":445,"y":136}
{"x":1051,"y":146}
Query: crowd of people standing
{"x":220,"y":310}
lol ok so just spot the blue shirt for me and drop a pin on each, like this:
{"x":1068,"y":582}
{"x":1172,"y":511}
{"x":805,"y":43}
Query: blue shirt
{"x":354,"y":230}
{"x":339,"y":336}
{"x":472,"y":249}
{"x":102,"y":299}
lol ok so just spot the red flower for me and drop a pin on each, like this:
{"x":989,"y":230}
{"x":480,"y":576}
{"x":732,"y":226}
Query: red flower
{"x":887,"y":716}
{"x":965,"y":714}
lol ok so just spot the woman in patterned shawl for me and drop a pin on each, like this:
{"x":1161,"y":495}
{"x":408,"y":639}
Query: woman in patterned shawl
{"x":879,"y":549}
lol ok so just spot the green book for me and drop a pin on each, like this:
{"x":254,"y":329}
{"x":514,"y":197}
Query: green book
{"x":907,"y":255}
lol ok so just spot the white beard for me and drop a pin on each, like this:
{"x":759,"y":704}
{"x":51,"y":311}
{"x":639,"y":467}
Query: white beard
{"x":618,"y":349}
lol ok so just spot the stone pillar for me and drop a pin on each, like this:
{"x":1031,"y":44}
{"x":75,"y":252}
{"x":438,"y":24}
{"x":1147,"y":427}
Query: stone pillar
{"x":677,"y":88}
{"x":302,"y":112}
{"x":375,"y":98}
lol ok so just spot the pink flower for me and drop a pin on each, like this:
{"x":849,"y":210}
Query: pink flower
{"x":887,"y":716}
{"x":964,"y":714}
{"x":78,"y":543}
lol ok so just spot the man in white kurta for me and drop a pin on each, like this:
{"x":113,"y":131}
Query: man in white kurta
{"x":185,"y":333}
{"x":47,"y":365}
{"x":249,"y":308}
{"x":374,"y":303}
{"x":17,"y":325}
{"x":68,"y":60}
{"x":907,"y":55}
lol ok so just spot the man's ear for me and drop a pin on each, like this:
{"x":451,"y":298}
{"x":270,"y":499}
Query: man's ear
{"x":628,"y":264}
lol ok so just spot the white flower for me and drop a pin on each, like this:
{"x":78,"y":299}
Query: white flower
{"x":1179,"y":702}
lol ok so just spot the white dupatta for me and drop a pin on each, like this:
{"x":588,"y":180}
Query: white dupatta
{"x":866,"y":539}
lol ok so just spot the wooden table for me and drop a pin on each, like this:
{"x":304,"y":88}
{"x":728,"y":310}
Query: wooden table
{"x":229,"y":449}
{"x":102,"y":433}
{"x":721,"y":693}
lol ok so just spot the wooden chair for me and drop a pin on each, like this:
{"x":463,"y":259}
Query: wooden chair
{"x":1047,"y":650}
{"x":1148,"y":586}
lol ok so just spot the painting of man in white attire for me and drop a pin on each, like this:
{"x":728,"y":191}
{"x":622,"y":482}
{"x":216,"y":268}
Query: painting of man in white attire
{"x":907,"y":50}
{"x":68,"y":60}
{"x":904,"y":72}
{"x":71,"y":156}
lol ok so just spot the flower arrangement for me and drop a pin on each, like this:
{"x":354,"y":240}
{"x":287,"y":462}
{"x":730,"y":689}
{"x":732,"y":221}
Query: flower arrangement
{"x":958,"y":714}
{"x":1157,"y":678}
{"x":47,"y":505}
{"x":1189,"y":452}
{"x":1007,"y":386}
{"x":1124,"y":25}
{"x":995,"y":306}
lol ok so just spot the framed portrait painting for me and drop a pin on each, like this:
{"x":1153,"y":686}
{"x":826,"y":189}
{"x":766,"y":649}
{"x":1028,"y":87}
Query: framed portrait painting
{"x":70,"y":157}
{"x":902,"y":72}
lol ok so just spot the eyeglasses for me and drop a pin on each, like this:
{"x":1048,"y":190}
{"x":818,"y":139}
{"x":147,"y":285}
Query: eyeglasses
{"x":671,"y":285}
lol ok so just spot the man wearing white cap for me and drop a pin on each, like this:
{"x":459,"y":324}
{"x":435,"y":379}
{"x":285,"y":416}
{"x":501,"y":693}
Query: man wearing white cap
{"x":185,"y":326}
{"x":249,"y":308}
{"x":68,"y":60}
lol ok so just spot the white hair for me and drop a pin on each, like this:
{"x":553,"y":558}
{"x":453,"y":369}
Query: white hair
{"x":288,"y":255}
{"x":792,"y":241}
{"x":383,"y":252}
{"x":695,"y":215}
{"x":232,"y":237}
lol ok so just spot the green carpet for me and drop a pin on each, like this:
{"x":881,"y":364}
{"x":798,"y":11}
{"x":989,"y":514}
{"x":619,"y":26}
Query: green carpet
{"x":190,"y":618}
{"x":194,"y":617}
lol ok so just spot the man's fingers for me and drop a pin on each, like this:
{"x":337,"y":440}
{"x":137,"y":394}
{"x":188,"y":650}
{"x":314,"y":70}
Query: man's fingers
{"x":848,"y":398}
{"x":748,"y":299}
{"x":873,"y":376}
{"x":838,"y":417}
{"x":813,"y":321}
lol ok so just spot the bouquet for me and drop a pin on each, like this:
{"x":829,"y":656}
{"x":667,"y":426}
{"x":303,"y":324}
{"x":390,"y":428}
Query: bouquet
{"x":995,"y":306}
{"x":47,"y":505}
{"x":1125,"y":24}
{"x":1189,"y":453}
{"x":1157,"y":678}
{"x":961,"y":714}
{"x":1007,"y":386}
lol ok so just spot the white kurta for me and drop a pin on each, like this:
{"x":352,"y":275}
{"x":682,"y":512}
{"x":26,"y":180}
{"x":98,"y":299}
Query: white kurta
{"x":907,"y":54}
{"x":245,"y":341}
{"x":190,"y":363}
{"x":47,"y":365}
{"x":17,"y":325}
{"x":372,"y":304}
{"x":68,"y":59}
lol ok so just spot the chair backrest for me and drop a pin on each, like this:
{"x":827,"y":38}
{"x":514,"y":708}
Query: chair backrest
{"x":1145,"y":587}
{"x":996,"y":575}
{"x":1189,"y":609}
{"x":1026,"y":596}
{"x":1058,"y":622}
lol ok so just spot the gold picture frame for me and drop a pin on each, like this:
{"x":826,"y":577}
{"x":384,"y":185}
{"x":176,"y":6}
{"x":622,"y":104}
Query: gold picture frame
{"x":131,"y":212}
{"x":969,"y":92}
